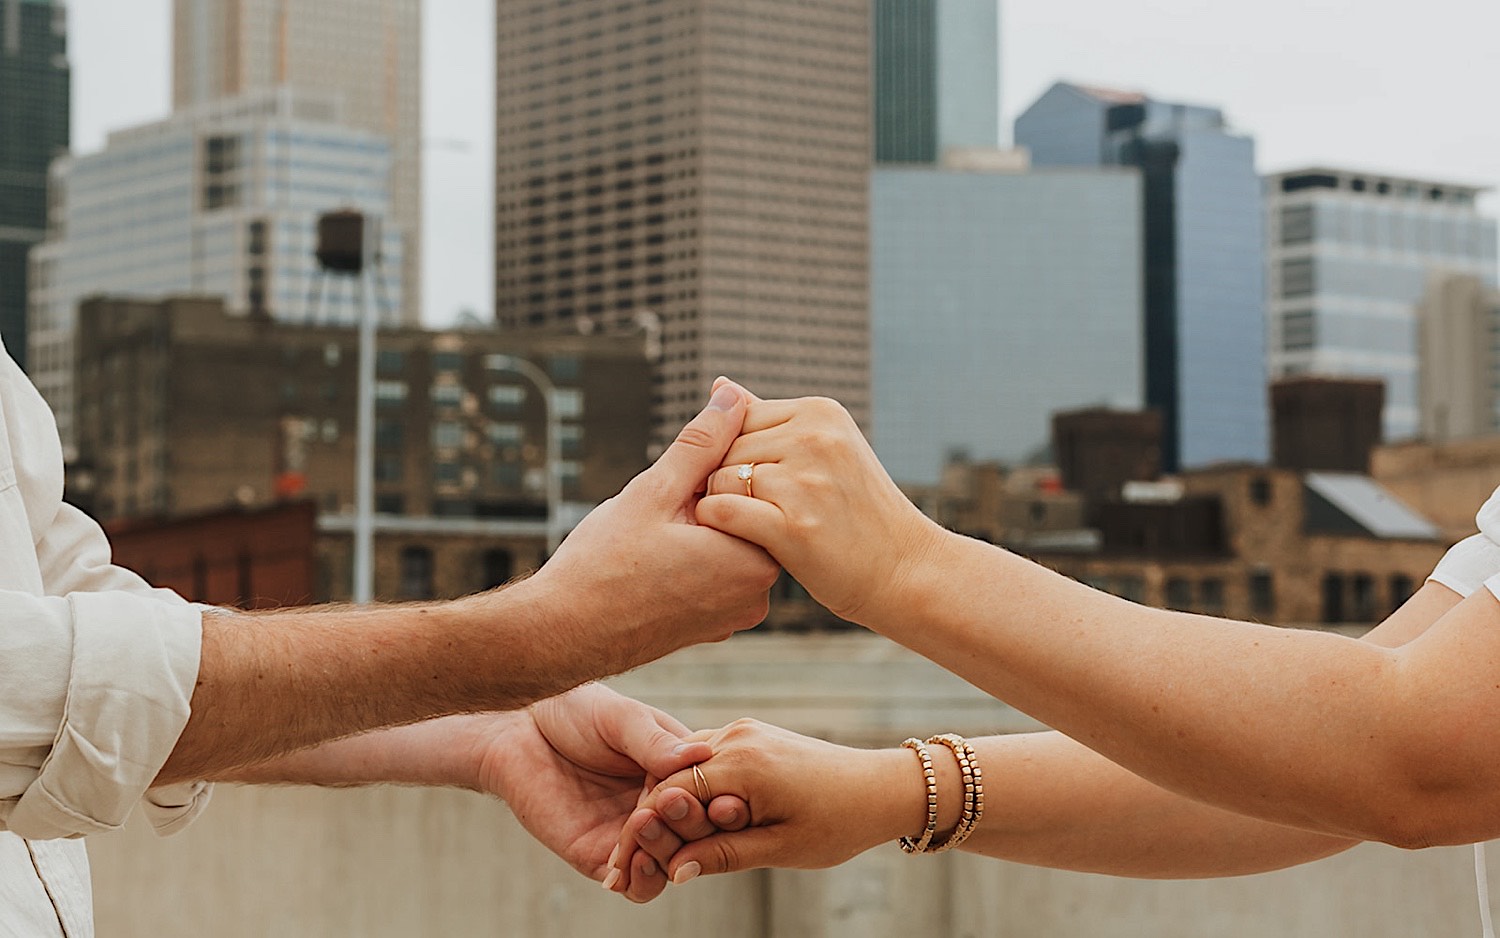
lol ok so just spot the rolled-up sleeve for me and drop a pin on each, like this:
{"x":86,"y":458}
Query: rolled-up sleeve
{"x":127,"y":686}
{"x":1474,"y":561}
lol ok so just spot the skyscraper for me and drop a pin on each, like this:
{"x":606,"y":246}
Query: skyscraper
{"x":366,"y":53}
{"x":700,"y":167}
{"x":936,"y":78}
{"x":1350,"y":254}
{"x":220,"y":200}
{"x":34,"y":113}
{"x":1458,"y":324}
{"x":1203,"y":258}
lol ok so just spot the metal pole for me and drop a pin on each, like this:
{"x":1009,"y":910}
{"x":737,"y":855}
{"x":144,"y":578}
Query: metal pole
{"x":364,"y":453}
{"x":544,"y":384}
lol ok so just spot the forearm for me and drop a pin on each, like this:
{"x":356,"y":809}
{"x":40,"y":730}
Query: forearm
{"x":1053,"y":802}
{"x":1296,"y":727}
{"x":274,"y":684}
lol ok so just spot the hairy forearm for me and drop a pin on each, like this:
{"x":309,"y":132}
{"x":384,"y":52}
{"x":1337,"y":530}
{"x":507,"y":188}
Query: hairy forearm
{"x":270,"y":685}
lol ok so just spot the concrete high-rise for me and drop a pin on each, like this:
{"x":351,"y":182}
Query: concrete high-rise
{"x":936,"y":69}
{"x":1350,"y":254}
{"x":1458,"y":346}
{"x":700,"y":166}
{"x":34,"y":112}
{"x":221,"y":200}
{"x":1203,"y":255}
{"x":365,"y":53}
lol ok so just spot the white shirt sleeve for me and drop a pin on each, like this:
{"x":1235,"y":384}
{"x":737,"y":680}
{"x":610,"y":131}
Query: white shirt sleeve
{"x":99,"y":673}
{"x":1474,"y":561}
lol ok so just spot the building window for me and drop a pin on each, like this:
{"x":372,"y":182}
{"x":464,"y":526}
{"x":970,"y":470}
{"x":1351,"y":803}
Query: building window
{"x":389,"y":469}
{"x":448,"y":435}
{"x":1299,"y":331}
{"x":390,"y":362}
{"x":390,"y":392}
{"x":497,"y":566}
{"x":390,"y":434}
{"x":1364,"y":598}
{"x":1402,"y":588}
{"x":505,"y":434}
{"x":506,"y":475}
{"x":1132,"y":588}
{"x":447,"y":361}
{"x":1262,"y":594}
{"x":564,"y":367}
{"x":507,"y":397}
{"x":1260,"y":491}
{"x":1333,"y":598}
{"x":447,"y":473}
{"x":1211,"y":596}
{"x":447,"y":395}
{"x":390,"y":504}
{"x":1297,"y":224}
{"x":416,"y":573}
{"x":1179,"y":594}
{"x":570,"y":440}
{"x":1297,"y":277}
{"x":569,"y":403}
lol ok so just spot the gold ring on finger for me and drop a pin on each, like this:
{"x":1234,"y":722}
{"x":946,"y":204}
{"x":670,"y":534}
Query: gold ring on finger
{"x":746,"y":474}
{"x":705,"y":794}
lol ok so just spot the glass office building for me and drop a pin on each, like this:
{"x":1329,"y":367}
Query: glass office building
{"x":936,"y":77}
{"x":1350,"y":255}
{"x":34,"y":114}
{"x":998,"y":298}
{"x":1203,"y":258}
{"x":222,"y":200}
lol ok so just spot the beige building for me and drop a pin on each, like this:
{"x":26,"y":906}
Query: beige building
{"x":365,"y":53}
{"x":1458,"y":375}
{"x":1447,"y":482}
{"x":697,"y":165}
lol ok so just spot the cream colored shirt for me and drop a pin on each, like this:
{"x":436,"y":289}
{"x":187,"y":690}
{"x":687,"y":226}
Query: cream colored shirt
{"x":97,"y":670}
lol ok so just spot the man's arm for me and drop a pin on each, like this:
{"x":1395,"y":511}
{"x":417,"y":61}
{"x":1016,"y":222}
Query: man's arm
{"x":636,"y":580}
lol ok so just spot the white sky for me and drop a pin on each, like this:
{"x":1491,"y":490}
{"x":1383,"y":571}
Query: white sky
{"x":1396,"y":87}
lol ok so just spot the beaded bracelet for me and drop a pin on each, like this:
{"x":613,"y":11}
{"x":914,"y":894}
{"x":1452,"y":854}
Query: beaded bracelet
{"x":920,"y":844}
{"x":973,"y":782}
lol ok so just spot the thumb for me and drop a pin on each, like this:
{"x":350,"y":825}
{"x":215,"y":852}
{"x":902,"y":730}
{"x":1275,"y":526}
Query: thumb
{"x":699,"y":449}
{"x":748,"y":849}
{"x":653,"y":747}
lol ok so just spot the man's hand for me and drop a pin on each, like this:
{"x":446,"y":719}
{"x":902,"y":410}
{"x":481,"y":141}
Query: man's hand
{"x":639,"y":578}
{"x":574,"y":769}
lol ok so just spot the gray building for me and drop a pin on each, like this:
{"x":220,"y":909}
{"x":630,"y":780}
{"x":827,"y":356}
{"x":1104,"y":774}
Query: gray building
{"x":1202,"y":255}
{"x":998,"y":298}
{"x":1349,"y":256}
{"x":1458,"y":323}
{"x":34,"y":112}
{"x":936,"y":77}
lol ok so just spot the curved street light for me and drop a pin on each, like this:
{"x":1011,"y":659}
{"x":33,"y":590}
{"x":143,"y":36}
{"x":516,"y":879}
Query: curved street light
{"x":538,"y":377}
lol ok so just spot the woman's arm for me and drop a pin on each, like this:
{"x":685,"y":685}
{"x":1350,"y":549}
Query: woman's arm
{"x":1306,"y":729}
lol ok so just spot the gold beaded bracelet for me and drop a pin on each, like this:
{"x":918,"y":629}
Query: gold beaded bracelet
{"x":920,"y":844}
{"x":973,"y":783}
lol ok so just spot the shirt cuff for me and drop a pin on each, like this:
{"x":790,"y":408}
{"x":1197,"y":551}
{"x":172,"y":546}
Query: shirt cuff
{"x":1468,"y":565}
{"x":135,"y":663}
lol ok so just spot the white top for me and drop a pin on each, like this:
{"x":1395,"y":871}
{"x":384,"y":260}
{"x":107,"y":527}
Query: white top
{"x":1475,"y":561}
{"x":98,"y":669}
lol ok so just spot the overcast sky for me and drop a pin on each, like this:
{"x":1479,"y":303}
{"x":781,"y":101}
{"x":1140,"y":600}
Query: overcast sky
{"x":1396,"y":87}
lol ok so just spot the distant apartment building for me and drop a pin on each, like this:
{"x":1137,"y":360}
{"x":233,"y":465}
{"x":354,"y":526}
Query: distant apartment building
{"x":999,"y":296}
{"x":221,"y":201}
{"x":1202,"y":257}
{"x":1349,"y":256}
{"x":1458,"y":355}
{"x":365,"y":54}
{"x":936,"y":78}
{"x":185,"y":409}
{"x":35,"y":83}
{"x":700,"y":167}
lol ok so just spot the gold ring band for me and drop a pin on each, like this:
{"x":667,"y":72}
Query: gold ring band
{"x":705,"y":794}
{"x":746,"y":474}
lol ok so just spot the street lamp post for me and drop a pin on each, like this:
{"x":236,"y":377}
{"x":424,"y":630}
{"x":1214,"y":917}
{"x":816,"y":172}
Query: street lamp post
{"x":554,"y":440}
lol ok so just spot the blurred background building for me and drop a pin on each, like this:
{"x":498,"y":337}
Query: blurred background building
{"x":364,"y":54}
{"x":1458,"y":354}
{"x":1349,"y":257}
{"x":700,"y":166}
{"x":34,"y":127}
{"x":1203,"y":257}
{"x":219,"y":201}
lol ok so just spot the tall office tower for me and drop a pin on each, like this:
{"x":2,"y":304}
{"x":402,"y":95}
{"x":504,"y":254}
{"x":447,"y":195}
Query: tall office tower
{"x":936,"y":78}
{"x":366,"y":53}
{"x":34,"y":113}
{"x":1349,"y":257}
{"x":1458,"y":345}
{"x":700,"y":166}
{"x":221,"y":200}
{"x":996,"y":299}
{"x":1203,"y":258}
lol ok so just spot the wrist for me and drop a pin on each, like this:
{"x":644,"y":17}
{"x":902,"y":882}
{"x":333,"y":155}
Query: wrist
{"x":912,"y":590}
{"x":901,"y":805}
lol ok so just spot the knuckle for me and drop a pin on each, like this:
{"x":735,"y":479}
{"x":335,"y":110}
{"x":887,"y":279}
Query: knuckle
{"x":695,"y":436}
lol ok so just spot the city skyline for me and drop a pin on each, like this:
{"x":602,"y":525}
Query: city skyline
{"x":1326,"y":96}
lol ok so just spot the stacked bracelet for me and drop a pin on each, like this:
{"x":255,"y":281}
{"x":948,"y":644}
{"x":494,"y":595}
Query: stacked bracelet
{"x":973,"y":785}
{"x":920,"y":844}
{"x":973,"y":782}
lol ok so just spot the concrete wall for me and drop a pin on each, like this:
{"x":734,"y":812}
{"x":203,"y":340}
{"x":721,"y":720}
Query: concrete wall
{"x":404,"y":862}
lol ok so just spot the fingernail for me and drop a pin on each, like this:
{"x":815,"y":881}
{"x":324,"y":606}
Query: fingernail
{"x":724,"y":398}
{"x":676,"y":809}
{"x":611,"y":879}
{"x":687,"y":872}
{"x":651,"y":829}
{"x":613,"y":855}
{"x":648,"y":867}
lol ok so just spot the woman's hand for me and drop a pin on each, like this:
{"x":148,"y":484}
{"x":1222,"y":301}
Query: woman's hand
{"x":822,"y":505}
{"x":811,"y":804}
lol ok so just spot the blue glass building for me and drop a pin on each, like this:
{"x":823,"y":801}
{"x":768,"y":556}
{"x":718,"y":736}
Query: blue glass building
{"x":936,"y":77}
{"x":1203,"y":257}
{"x":997,"y":299}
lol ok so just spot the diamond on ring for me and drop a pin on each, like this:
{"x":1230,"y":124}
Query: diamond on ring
{"x":747,"y":475}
